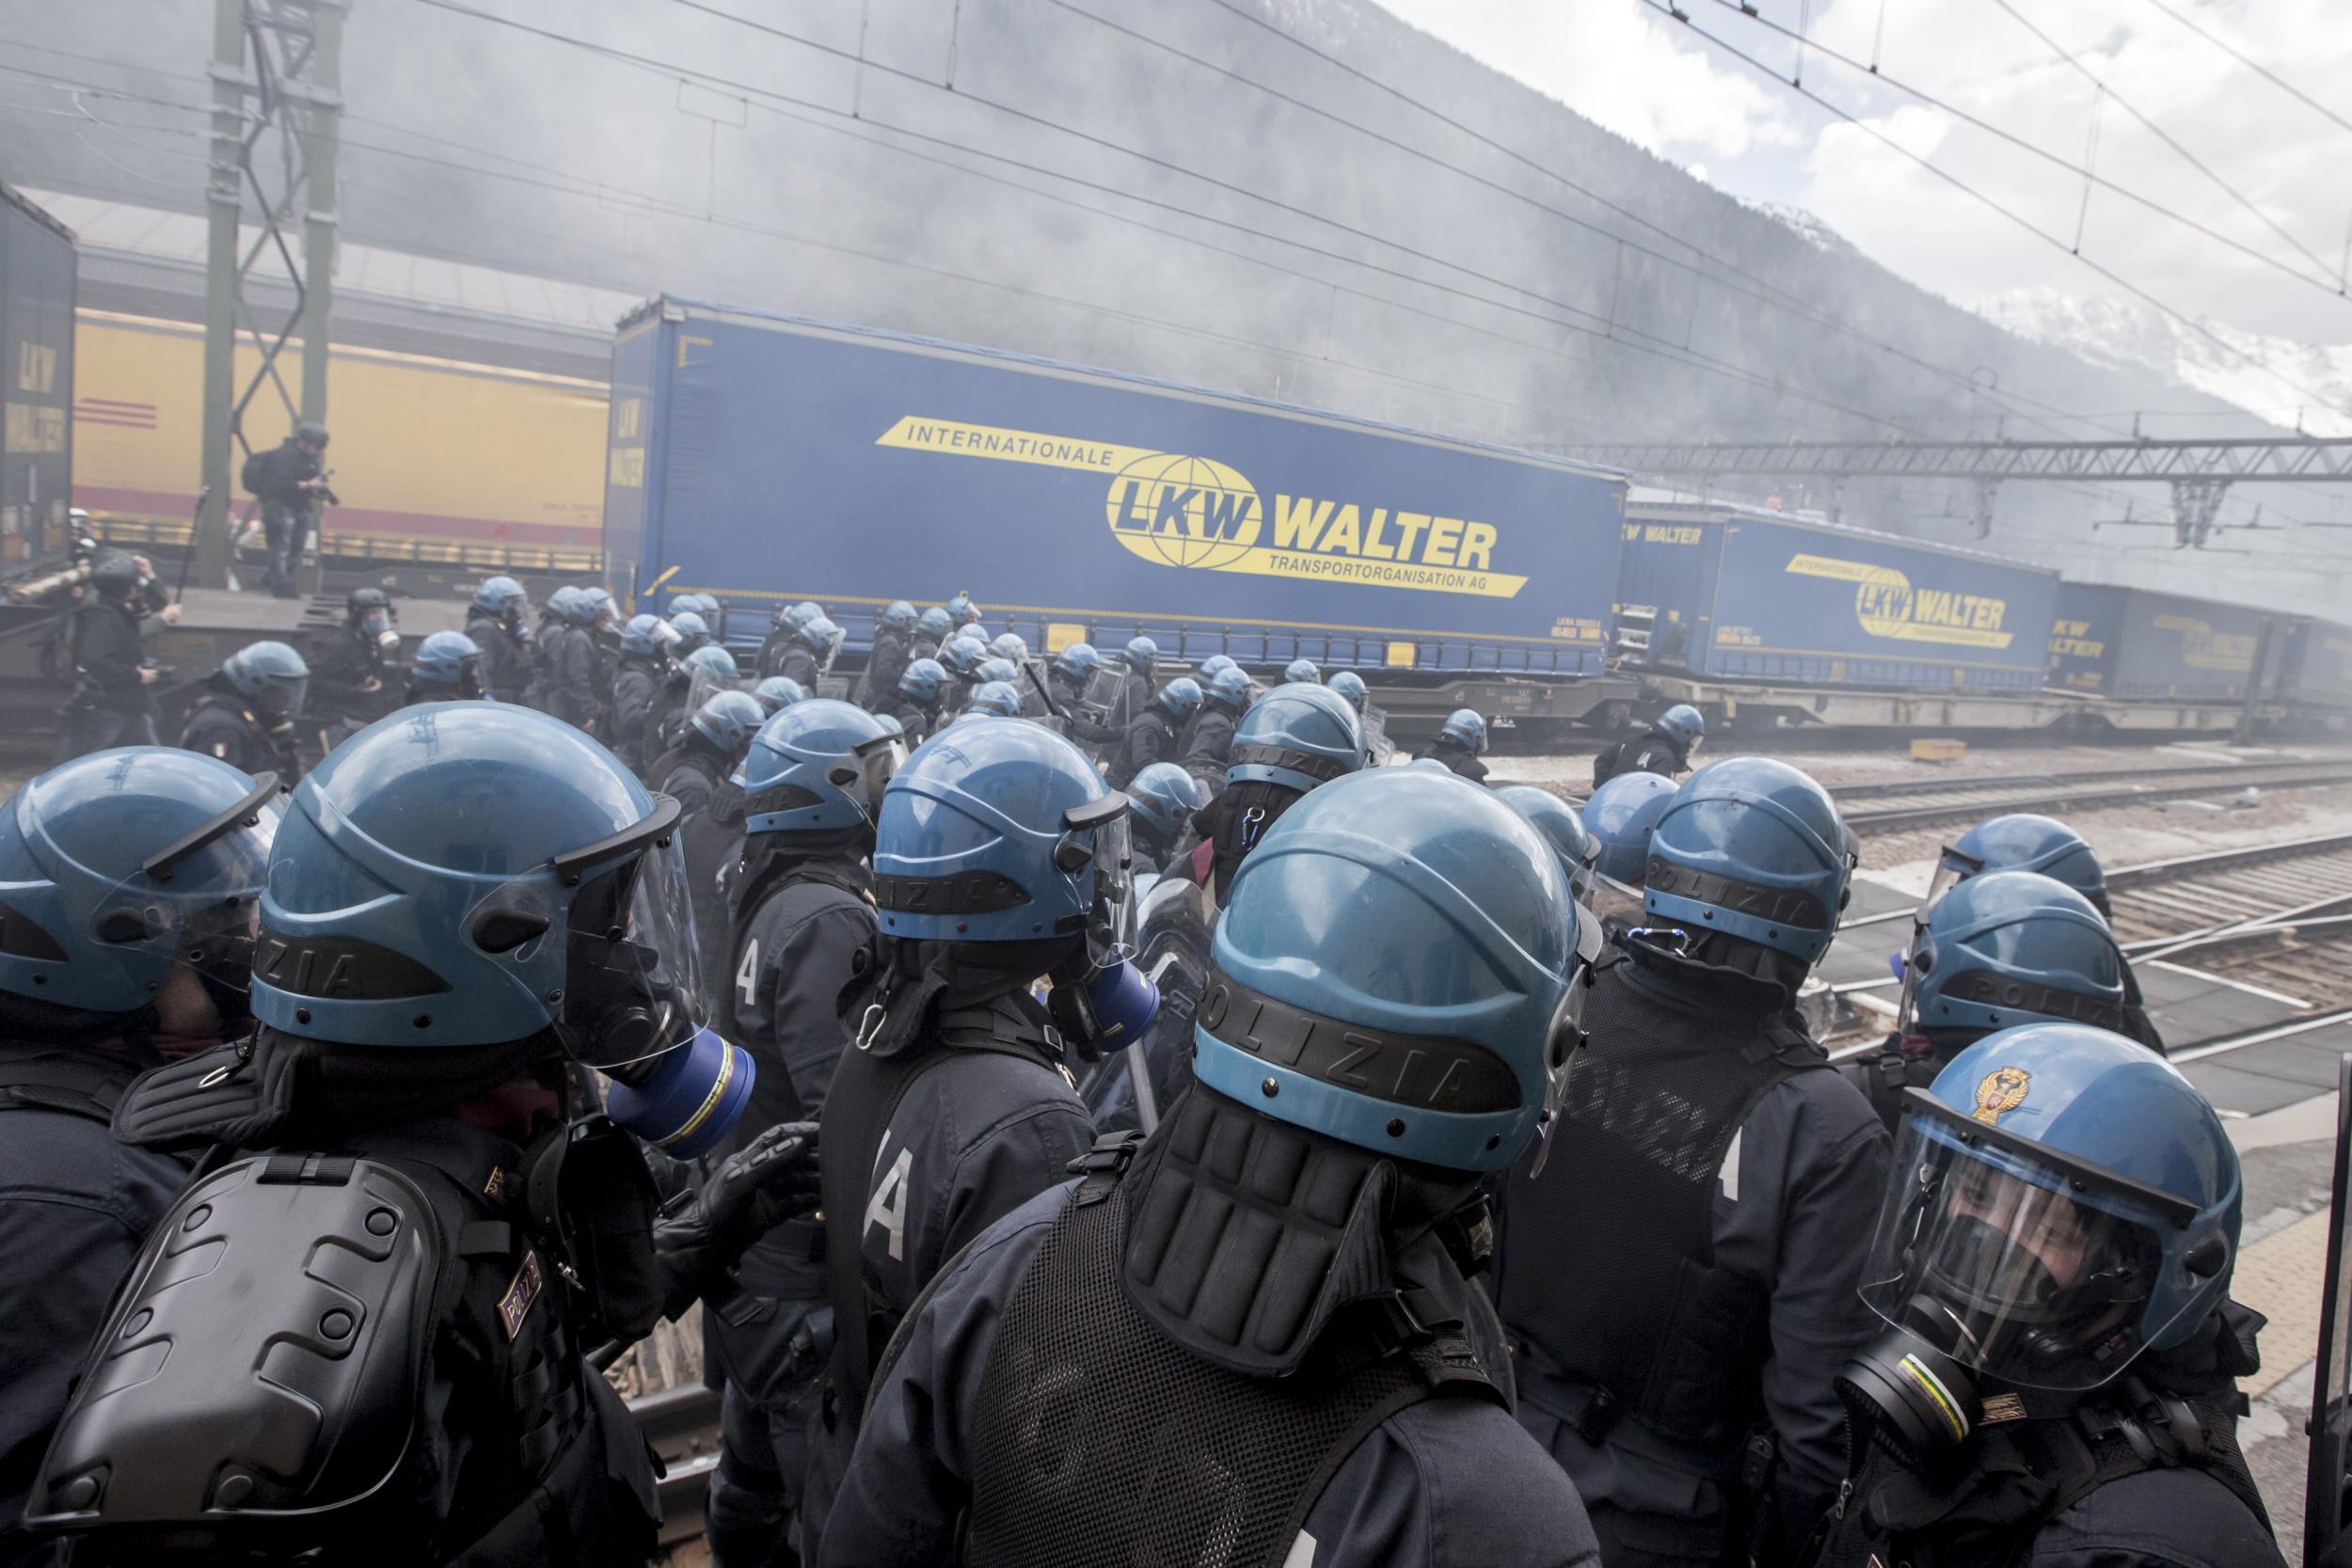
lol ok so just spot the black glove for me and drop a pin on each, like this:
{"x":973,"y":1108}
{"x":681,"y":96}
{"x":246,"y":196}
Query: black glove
{"x":770,"y":1180}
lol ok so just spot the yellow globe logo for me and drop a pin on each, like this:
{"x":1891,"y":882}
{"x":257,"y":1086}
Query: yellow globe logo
{"x":1881,"y":601}
{"x":1183,"y":510}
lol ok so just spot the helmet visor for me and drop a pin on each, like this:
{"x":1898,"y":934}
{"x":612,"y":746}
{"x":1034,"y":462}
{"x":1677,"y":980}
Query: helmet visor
{"x":1096,"y":838}
{"x":1566,"y":1036}
{"x":2007,"y":1264}
{"x":281,"y":697}
{"x":632,"y":981}
{"x":867,"y":771}
{"x":706,"y":685}
{"x":1613,"y":900}
{"x":198,"y":901}
{"x":1952,"y":868}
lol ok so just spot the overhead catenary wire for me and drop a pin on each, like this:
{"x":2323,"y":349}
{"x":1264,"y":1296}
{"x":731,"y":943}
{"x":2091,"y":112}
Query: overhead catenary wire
{"x":1666,"y":8}
{"x":2257,"y":68}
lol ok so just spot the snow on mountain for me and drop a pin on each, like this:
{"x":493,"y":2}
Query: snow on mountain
{"x":2127,"y":335}
{"x":1820,"y":235}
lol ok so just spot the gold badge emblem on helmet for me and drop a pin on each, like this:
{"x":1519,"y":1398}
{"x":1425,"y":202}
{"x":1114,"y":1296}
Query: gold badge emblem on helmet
{"x":2000,"y":1092}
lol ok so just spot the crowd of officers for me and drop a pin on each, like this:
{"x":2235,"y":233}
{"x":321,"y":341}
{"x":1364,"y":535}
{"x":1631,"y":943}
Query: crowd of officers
{"x":1106,"y":1118}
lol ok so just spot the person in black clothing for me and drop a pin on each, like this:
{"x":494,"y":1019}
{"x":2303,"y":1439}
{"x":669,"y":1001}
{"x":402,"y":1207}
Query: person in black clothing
{"x":106,"y":657}
{"x":245,"y":715}
{"x":495,"y":621}
{"x":694,"y":773}
{"x":288,"y":480}
{"x":1457,"y":744}
{"x":921,"y":688}
{"x":1664,"y":749}
{"x":1152,"y":732}
{"x":893,"y":643}
{"x":355,"y":669}
{"x":637,"y":680}
{"x":1209,"y":742}
{"x":802,"y":656}
{"x":800,"y":911}
{"x":81,"y":1015}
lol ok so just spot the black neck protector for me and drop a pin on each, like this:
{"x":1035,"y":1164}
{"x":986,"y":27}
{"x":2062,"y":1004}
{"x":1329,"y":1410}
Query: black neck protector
{"x":1736,"y":974}
{"x":771,"y":860}
{"x":1236,"y":820}
{"x":1215,"y":1175}
{"x":910,"y":981}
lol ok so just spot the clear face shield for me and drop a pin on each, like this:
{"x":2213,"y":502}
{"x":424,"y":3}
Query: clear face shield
{"x":831,"y":650}
{"x":1112,"y":1002}
{"x":1566,"y":1036}
{"x":281,"y":698}
{"x":1952,"y":868}
{"x":1377,"y":742}
{"x":708,"y":684}
{"x":198,"y":903}
{"x":2029,"y":1273}
{"x":1613,"y":900}
{"x":867,"y":771}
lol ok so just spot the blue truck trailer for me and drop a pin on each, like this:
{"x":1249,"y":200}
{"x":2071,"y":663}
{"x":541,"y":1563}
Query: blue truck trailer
{"x":2133,"y":644}
{"x":767,"y":459}
{"x":1720,"y":593}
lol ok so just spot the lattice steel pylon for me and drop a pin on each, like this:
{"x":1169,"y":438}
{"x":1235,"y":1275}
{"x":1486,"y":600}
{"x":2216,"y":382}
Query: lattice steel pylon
{"x":276,"y":117}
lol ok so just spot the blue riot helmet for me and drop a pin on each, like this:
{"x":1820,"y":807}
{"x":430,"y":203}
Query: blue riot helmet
{"x":802,"y":614}
{"x":1008,"y":646}
{"x":1621,"y":815}
{"x":692,"y":630}
{"x":1302,"y":672}
{"x":600,"y":604}
{"x":270,"y":675}
{"x":2023,"y":842}
{"x":474,"y":874}
{"x":1142,"y":656}
{"x":642,"y":635}
{"x":714,"y":661}
{"x":448,"y":663}
{"x":503,"y":596}
{"x":1213,"y":666}
{"x":924,"y":681}
{"x":1232,"y":687}
{"x":2061,"y":1201}
{"x":1683,"y":726}
{"x":963,"y":656}
{"x":564,"y":604}
{"x":961,"y":611}
{"x":1165,"y":797}
{"x":1755,"y":849}
{"x":819,"y":769}
{"x":1001,"y":830}
{"x":898,"y":616}
{"x":933,"y":626}
{"x":2010,"y":948}
{"x":823,"y":637}
{"x":1465,"y":726}
{"x":1077,"y":661}
{"x":995,"y":696}
{"x":728,"y":720}
{"x":778,"y":692}
{"x":120,"y":864}
{"x":999,"y":671}
{"x":1562,"y":829}
{"x":1179,"y":699}
{"x":1350,"y":684}
{"x":1443,"y":953}
{"x":1301,"y":735}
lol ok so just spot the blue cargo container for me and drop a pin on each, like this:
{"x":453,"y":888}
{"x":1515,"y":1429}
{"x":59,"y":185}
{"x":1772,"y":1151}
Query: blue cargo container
{"x":2316,"y":671}
{"x":37,"y":276}
{"x":766,"y":458}
{"x":2133,"y":644}
{"x":1728,"y":592}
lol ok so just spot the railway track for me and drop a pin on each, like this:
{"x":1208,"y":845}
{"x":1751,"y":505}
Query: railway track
{"x":1900,"y":803}
{"x":682,"y":1424}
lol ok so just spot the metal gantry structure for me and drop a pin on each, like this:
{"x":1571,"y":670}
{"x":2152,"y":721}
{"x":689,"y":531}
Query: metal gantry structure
{"x":276,"y":118}
{"x":2199,"y":472}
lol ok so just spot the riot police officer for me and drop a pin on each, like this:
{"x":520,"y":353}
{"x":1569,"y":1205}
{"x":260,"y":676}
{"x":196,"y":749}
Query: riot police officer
{"x":2023,"y":842}
{"x":1302,"y":672}
{"x":801,"y":910}
{"x":921,"y":692}
{"x":962,"y":658}
{"x":784,"y":624}
{"x":998,"y":858}
{"x":2001,"y":949}
{"x":1250,"y":1337}
{"x":637,"y":677}
{"x":447,"y":669}
{"x":931,"y":630}
{"x":1710,"y":1154}
{"x":776,"y":693}
{"x":1563,"y":828}
{"x":1152,"y":732}
{"x":246,"y":714}
{"x":1142,"y":659}
{"x":694,"y":773}
{"x":700,"y":674}
{"x":1620,"y":815}
{"x":2055,"y":1379}
{"x":569,"y":650}
{"x":1459,"y":742}
{"x":1350,"y":684}
{"x":804,"y":652}
{"x":496,"y":622}
{"x":412,"y":1113}
{"x":1209,"y":745}
{"x":104,"y":654}
{"x":1664,"y":749}
{"x":354,"y":669}
{"x":993,"y":699}
{"x":893,"y":648}
{"x":1165,"y":798}
{"x":692,"y":630}
{"x":543,"y":644}
{"x":113,"y":962}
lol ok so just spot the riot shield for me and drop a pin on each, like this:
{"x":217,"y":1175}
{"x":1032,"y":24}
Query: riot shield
{"x":1104,"y":700}
{"x":708,"y":684}
{"x":1132,"y":1088}
{"x":2328,"y":1499}
{"x":1378,"y":748}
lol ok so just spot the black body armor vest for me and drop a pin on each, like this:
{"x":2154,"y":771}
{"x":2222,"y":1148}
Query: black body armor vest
{"x":1651,"y":1326}
{"x":55,"y":1078}
{"x":864,"y":1093}
{"x":1102,"y":1440}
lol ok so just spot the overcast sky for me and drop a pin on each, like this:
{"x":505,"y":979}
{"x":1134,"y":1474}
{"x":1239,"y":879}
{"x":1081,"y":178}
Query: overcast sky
{"x":1656,"y":81}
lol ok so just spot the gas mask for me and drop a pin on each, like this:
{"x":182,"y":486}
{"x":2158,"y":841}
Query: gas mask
{"x":1099,"y":1001}
{"x":376,"y":631}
